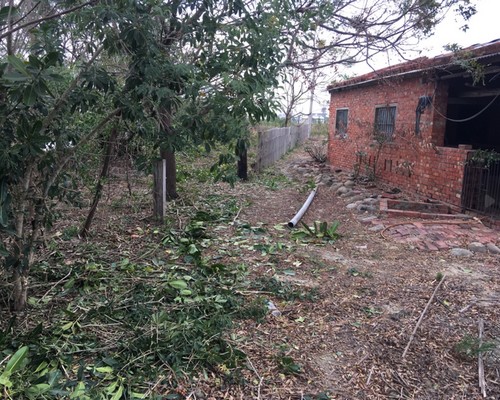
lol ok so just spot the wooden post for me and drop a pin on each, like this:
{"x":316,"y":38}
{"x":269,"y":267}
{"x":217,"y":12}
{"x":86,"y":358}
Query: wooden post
{"x":159,"y":189}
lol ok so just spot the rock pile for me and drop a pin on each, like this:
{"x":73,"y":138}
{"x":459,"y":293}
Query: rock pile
{"x":359,"y":197}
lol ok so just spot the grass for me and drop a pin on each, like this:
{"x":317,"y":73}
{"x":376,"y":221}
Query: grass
{"x":273,"y":180}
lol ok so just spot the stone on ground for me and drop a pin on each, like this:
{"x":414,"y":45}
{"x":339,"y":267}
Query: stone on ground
{"x":459,"y":252}
{"x":477,"y":247}
{"x":493,"y":248}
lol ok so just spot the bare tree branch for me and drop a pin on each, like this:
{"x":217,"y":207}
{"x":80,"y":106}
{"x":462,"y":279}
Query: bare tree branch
{"x":47,"y":18}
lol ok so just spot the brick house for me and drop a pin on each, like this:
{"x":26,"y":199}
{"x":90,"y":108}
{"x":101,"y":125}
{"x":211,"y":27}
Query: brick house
{"x":415,"y":125}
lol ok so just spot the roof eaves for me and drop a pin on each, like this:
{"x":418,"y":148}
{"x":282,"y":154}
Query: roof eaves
{"x":441,"y":62}
{"x":372,"y":81}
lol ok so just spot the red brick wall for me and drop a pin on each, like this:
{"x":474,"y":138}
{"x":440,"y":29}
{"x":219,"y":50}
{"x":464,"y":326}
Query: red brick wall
{"x":413,"y":163}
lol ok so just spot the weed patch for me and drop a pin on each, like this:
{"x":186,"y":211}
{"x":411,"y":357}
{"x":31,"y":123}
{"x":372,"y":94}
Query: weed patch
{"x":469,"y":347}
{"x":273,"y":181}
{"x":320,"y":230}
{"x":318,"y":152}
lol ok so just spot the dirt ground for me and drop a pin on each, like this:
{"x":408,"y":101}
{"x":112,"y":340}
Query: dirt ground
{"x":350,"y":338}
{"x":347,"y":308}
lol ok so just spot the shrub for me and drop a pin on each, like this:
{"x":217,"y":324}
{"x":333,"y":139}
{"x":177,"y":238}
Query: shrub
{"x":318,"y":152}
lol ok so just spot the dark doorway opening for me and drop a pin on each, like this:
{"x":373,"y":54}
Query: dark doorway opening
{"x":473,"y":118}
{"x":473,"y":115}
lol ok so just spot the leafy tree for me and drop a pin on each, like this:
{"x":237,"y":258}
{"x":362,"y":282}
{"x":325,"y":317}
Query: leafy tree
{"x":199,"y":71}
{"x":212,"y":60}
{"x":47,"y":85}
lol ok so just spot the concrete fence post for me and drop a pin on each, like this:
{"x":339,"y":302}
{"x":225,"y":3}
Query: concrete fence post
{"x":160,"y":189}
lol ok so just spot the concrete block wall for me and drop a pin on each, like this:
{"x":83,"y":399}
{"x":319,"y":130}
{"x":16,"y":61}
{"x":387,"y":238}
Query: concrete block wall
{"x":414,"y":163}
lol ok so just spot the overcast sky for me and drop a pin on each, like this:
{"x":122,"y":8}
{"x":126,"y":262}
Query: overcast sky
{"x":484,"y":27}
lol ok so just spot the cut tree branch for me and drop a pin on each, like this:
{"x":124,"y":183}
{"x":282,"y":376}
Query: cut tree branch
{"x":480,"y":363}
{"x":422,"y":316}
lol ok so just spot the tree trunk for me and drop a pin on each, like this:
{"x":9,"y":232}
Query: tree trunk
{"x":288,"y":116}
{"x":10,"y":50}
{"x":241,"y":152}
{"x":24,"y":259}
{"x":19,"y":290}
{"x":104,"y":174}
{"x":22,"y":253}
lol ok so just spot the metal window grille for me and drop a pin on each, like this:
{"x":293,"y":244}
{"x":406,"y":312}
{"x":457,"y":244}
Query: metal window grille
{"x":384,"y":120}
{"x":341,"y":122}
{"x":481,"y":186}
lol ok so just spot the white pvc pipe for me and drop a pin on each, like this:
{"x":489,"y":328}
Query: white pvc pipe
{"x":303,"y":209}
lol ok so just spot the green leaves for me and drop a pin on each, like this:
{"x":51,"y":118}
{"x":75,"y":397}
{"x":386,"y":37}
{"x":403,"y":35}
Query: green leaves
{"x":18,"y":65}
{"x":17,"y":71}
{"x":14,"y":76}
{"x":96,"y":78}
{"x":16,"y":363}
{"x":164,"y":312}
{"x":469,"y":347}
{"x":28,"y":80}
{"x":178,"y":284}
{"x":289,"y":366}
{"x":6,"y":12}
{"x":320,"y":230}
{"x":30,"y":95}
{"x":37,"y":390}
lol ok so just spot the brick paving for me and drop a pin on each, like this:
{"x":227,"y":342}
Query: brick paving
{"x":438,"y":235}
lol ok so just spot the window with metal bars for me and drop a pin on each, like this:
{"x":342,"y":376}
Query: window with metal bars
{"x":341,"y":122}
{"x":385,"y":118}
